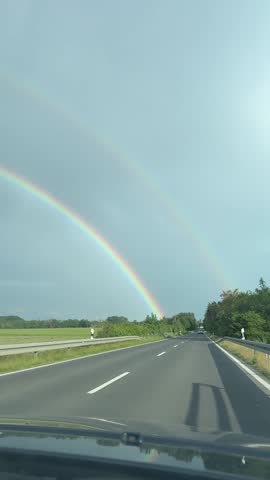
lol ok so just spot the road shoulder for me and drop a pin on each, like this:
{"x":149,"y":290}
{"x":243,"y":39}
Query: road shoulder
{"x":255,"y":376}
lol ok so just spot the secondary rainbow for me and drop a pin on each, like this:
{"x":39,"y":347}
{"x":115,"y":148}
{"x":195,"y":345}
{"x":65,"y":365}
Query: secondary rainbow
{"x":89,"y":230}
{"x":202,"y":246}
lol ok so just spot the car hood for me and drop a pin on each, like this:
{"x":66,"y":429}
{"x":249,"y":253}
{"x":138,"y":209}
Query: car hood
{"x":147,"y":429}
{"x":132,"y":442}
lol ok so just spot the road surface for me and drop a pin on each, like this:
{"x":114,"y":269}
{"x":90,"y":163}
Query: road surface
{"x":186,"y":381}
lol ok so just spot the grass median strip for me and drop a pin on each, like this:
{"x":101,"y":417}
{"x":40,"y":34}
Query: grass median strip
{"x":258,"y":360}
{"x":11,"y":363}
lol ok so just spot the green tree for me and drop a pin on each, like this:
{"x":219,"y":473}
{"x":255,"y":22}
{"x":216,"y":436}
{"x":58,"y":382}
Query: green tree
{"x":152,"y":319}
{"x":117,"y":319}
{"x":262,"y":286}
{"x":255,"y":326}
{"x":236,"y":309}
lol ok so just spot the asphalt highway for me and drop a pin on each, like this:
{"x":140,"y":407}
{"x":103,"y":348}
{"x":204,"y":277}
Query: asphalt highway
{"x":185,"y":381}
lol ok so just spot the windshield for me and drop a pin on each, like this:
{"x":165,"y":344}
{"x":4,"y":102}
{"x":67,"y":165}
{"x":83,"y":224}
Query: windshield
{"x":134,"y":194}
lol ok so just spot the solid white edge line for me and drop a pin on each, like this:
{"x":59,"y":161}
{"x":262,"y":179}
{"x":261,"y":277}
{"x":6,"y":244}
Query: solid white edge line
{"x":162,"y":353}
{"x":244,"y":367}
{"x":106,"y":421}
{"x":78,"y":358}
{"x":94,"y":390}
{"x":256,"y":445}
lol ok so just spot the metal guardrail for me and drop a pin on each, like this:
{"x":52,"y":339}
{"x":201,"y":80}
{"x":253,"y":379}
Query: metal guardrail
{"x":259,"y":346}
{"x":43,"y":346}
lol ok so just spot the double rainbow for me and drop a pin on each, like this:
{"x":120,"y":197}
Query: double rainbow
{"x":176,"y":214}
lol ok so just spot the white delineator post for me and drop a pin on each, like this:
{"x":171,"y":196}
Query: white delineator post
{"x":92,"y":333}
{"x":243,"y":333}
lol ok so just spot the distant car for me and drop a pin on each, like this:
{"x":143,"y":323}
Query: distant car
{"x":200,"y":332}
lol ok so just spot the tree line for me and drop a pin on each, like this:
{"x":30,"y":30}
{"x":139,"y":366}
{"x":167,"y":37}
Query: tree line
{"x":235,"y":310}
{"x":18,"y":322}
{"x":113,"y":326}
{"x":167,"y":326}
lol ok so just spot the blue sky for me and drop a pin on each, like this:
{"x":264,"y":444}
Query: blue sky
{"x":150,"y":119}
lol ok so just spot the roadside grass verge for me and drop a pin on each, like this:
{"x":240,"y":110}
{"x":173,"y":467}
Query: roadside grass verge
{"x":11,"y":363}
{"x":258,"y":360}
{"x":10,"y":336}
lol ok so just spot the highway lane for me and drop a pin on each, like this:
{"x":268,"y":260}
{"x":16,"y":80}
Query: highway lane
{"x":185,"y":381}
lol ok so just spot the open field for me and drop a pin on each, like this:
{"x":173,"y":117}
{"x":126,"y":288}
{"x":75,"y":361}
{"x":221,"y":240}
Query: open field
{"x":9,"y":336}
{"x":259,"y":360}
{"x":13,"y":363}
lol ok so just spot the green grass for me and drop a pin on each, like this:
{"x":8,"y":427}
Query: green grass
{"x":10,"y":336}
{"x":259,"y":360}
{"x":11,"y":363}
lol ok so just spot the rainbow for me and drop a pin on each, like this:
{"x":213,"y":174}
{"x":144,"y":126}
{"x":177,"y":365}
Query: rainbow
{"x":89,"y":230}
{"x":201,"y":245}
